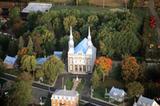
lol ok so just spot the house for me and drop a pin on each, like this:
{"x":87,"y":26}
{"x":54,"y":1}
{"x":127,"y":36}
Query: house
{"x":65,"y":97}
{"x":35,"y":7}
{"x":82,"y":57}
{"x":41,"y":60}
{"x":143,"y":101}
{"x":58,"y":54}
{"x":9,"y":62}
{"x":117,"y":94}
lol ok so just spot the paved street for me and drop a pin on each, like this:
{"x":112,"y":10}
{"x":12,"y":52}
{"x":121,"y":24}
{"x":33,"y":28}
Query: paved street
{"x":43,"y":89}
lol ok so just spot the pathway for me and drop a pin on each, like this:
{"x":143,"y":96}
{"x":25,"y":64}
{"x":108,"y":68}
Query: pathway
{"x":153,"y":12}
{"x":76,"y":82}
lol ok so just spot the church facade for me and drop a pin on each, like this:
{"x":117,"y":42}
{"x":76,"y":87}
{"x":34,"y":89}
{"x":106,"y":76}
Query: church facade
{"x":82,"y":57}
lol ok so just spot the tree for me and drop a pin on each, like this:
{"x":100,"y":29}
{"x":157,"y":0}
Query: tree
{"x":135,"y":89}
{"x":47,"y":38}
{"x":21,"y":92}
{"x":119,"y":33}
{"x":14,"y":14}
{"x":93,"y":20}
{"x":23,"y":51}
{"x":69,"y":21}
{"x":52,"y":68}
{"x":105,"y":65}
{"x":12,"y":47}
{"x":28,"y":63}
{"x":30,"y":46}
{"x":39,"y":74}
{"x":21,"y":42}
{"x":95,"y":79}
{"x":130,"y":69}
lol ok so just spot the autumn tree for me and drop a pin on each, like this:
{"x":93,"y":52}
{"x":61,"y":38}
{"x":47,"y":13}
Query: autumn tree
{"x":130,"y":69}
{"x":21,"y":91}
{"x":105,"y":64}
{"x":28,"y":63}
{"x":23,"y":51}
{"x":135,"y":89}
{"x":52,"y":68}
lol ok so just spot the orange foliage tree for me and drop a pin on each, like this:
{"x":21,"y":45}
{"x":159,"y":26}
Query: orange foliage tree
{"x":105,"y":64}
{"x":130,"y":69}
{"x":22,"y":51}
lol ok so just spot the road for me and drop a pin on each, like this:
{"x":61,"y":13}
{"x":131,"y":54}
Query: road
{"x":43,"y":89}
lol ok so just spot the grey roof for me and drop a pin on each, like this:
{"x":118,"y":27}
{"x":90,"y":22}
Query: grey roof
{"x":35,"y":7}
{"x":66,"y":93}
{"x":115,"y":92}
{"x":10,"y":60}
{"x":146,"y":101}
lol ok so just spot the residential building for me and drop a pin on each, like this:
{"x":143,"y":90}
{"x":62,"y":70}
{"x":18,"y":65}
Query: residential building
{"x":9,"y":62}
{"x":143,"y":101}
{"x":58,"y":54}
{"x":117,"y":94}
{"x":65,"y":97}
{"x":82,"y":57}
{"x":35,"y":7}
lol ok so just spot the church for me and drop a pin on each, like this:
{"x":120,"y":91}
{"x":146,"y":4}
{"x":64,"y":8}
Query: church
{"x":82,"y":57}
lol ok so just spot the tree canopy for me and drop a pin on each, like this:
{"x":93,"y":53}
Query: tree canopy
{"x":21,"y":92}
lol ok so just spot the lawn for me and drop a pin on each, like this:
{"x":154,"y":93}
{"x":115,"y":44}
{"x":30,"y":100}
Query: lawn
{"x":81,"y":86}
{"x":69,"y":83}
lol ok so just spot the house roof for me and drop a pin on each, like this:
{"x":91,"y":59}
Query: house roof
{"x":58,"y":54}
{"x":64,"y":92}
{"x":82,"y":46}
{"x":116,"y":92}
{"x":35,"y":7}
{"x":10,"y":60}
{"x":146,"y":101}
{"x":41,"y":60}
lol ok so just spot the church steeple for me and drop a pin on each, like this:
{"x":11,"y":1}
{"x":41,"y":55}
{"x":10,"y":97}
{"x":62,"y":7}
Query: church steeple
{"x":90,"y":45}
{"x":89,"y":37}
{"x":71,"y":42}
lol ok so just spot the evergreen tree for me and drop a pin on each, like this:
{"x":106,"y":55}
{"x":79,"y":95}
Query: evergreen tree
{"x":30,"y":46}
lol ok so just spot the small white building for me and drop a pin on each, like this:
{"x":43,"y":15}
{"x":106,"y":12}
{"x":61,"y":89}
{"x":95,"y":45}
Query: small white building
{"x":65,"y":97}
{"x":143,"y":101}
{"x":9,"y":62}
{"x":117,"y":94}
{"x":82,"y":57}
{"x":35,"y":7}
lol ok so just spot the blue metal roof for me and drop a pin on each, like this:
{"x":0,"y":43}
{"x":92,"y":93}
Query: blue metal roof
{"x":41,"y":60}
{"x":58,"y":54}
{"x":10,"y":60}
{"x":82,"y":46}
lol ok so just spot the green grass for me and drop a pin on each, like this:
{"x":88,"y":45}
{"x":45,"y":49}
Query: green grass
{"x":69,"y":84}
{"x":84,"y":9}
{"x":80,"y":86}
